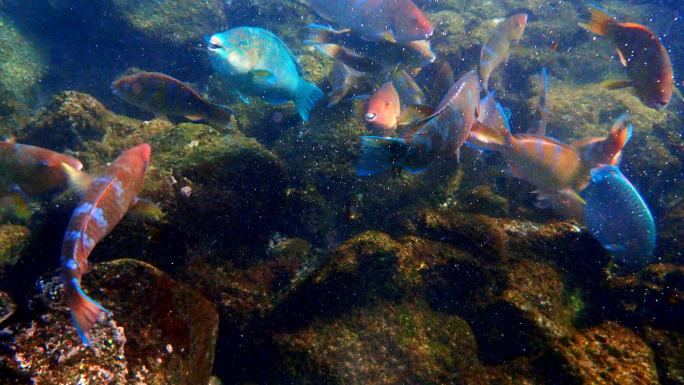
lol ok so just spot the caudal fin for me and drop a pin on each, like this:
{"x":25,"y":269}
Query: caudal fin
{"x":620,"y":134}
{"x":378,"y":154}
{"x":307,"y":97}
{"x":599,"y":21}
{"x":84,"y":310}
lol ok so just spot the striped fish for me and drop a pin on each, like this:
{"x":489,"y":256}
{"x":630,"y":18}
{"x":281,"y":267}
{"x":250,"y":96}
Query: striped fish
{"x":498,"y":48}
{"x":106,"y":201}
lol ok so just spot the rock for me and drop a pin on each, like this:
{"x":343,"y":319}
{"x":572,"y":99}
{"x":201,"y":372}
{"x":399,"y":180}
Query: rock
{"x":13,"y":240}
{"x":7,"y":307}
{"x":605,"y":354}
{"x":237,"y":186}
{"x":382,"y":344}
{"x":70,"y":120}
{"x":22,"y":65}
{"x":160,"y":332}
{"x":668,"y":346}
{"x":177,"y":23}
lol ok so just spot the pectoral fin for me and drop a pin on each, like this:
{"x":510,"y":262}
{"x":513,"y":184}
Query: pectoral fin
{"x":388,"y":36}
{"x":622,"y":57}
{"x":264,"y":75}
{"x":145,"y":210}
{"x":78,"y":180}
{"x":414,"y":113}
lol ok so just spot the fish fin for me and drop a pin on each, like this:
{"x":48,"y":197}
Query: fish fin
{"x":599,"y":22}
{"x":221,"y":115}
{"x":308,"y":94}
{"x":414,"y":113}
{"x":145,"y":210}
{"x":388,"y":36}
{"x":336,"y":51}
{"x":378,"y":154}
{"x":243,"y":97}
{"x":622,"y":57}
{"x":616,"y":84}
{"x":485,"y":137}
{"x":320,"y":34}
{"x":84,"y":310}
{"x":265,"y":75}
{"x":572,"y":194}
{"x":194,"y":118}
{"x":78,"y":180}
{"x":16,"y":205}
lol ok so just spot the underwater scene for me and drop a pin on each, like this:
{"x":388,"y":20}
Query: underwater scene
{"x":376,"y":192}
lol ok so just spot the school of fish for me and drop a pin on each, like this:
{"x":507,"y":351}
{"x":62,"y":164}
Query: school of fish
{"x":384,"y":43}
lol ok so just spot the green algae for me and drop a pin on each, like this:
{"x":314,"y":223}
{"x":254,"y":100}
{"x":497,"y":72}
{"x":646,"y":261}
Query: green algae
{"x":13,"y":240}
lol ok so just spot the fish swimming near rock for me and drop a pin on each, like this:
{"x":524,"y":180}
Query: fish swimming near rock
{"x":32,"y":170}
{"x":342,"y":80}
{"x":258,"y":63}
{"x":106,"y":200}
{"x":607,"y":150}
{"x":648,"y":63}
{"x":369,"y":56}
{"x":384,"y":108}
{"x":619,"y":218}
{"x":392,"y":20}
{"x":497,"y":49}
{"x":163,"y":95}
{"x":440,"y":134}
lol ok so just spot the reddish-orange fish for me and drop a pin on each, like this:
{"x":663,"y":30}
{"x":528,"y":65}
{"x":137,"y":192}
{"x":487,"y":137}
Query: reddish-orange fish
{"x":33,"y":170}
{"x":106,"y":201}
{"x":596,"y":151}
{"x":648,"y":64}
{"x":384,"y":108}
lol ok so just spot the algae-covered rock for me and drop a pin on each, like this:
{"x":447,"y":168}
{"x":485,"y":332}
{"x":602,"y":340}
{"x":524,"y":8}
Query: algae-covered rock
{"x":13,"y":240}
{"x":179,"y":23}
{"x":605,"y":354}
{"x":22,"y":64}
{"x":70,"y":120}
{"x":382,"y":344}
{"x":228,"y":189}
{"x":668,"y":346}
{"x":160,"y":332}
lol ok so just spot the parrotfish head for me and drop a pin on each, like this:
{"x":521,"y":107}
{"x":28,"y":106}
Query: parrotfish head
{"x":602,"y":172}
{"x":127,"y":87}
{"x":516,"y":28}
{"x":412,"y":24}
{"x":228,"y":52}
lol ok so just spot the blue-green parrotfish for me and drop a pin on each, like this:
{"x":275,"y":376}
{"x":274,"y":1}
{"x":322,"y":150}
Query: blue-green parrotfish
{"x":258,"y":63}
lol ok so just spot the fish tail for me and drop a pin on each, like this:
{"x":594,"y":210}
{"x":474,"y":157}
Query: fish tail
{"x":307,"y":97}
{"x":221,"y":115}
{"x":486,"y":138}
{"x":84,"y":310}
{"x":621,"y":132}
{"x":599,"y":22}
{"x":318,"y":34}
{"x":378,"y":154}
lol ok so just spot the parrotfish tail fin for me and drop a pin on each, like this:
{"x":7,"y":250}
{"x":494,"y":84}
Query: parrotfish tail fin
{"x":84,"y":310}
{"x":307,"y":97}
{"x":320,"y":34}
{"x":221,"y":115}
{"x":620,"y":134}
{"x":599,"y":22}
{"x":378,"y":154}
{"x":78,"y":180}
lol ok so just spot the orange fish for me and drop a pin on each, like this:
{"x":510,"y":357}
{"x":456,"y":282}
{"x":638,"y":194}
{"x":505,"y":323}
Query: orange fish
{"x":648,"y":64}
{"x":384,"y":108}
{"x":33,"y":170}
{"x":608,"y":150}
{"x":106,"y":201}
{"x":498,"y":48}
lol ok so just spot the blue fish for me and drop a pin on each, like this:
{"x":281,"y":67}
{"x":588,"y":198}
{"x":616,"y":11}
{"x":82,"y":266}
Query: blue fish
{"x":617,"y":216}
{"x":258,"y":63}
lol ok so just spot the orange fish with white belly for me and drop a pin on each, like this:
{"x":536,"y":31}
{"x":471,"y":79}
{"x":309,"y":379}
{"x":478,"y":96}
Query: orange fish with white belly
{"x":648,"y":64}
{"x":106,"y":200}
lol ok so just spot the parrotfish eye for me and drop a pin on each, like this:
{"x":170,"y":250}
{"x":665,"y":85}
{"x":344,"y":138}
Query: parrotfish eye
{"x":371,"y":116}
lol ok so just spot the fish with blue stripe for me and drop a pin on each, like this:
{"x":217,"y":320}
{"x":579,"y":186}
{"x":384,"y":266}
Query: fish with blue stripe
{"x":258,"y":63}
{"x":106,"y":200}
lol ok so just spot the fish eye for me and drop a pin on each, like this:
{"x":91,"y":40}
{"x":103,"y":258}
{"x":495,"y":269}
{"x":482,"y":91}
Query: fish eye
{"x":370,"y":116}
